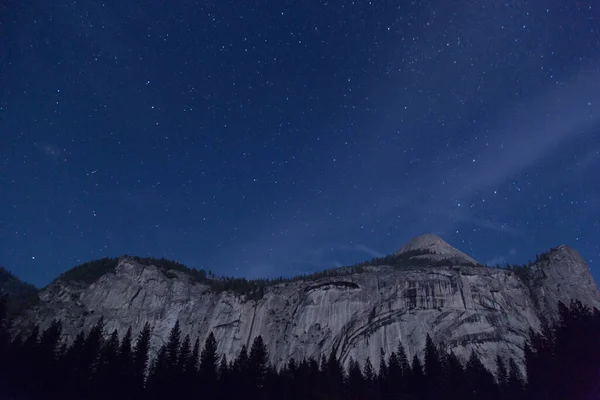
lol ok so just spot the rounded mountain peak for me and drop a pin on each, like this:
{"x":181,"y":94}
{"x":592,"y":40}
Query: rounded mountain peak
{"x":439,"y":248}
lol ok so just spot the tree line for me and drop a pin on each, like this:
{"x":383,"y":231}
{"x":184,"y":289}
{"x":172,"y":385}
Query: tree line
{"x":254,"y":289}
{"x":561,"y":362}
{"x":22,"y":295}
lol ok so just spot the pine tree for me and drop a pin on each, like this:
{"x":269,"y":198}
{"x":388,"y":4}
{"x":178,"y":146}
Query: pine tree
{"x":163,"y":378}
{"x":27,"y":360}
{"x":334,"y":376}
{"x":433,"y":369}
{"x":383,"y":376}
{"x":158,"y":378}
{"x":405,"y":366}
{"x":569,"y":359}
{"x":482,"y":382}
{"x":258,"y":364}
{"x":225,"y":391}
{"x":191,"y":371}
{"x":172,"y":351}
{"x":288,"y":380}
{"x":370,"y":379}
{"x":108,"y":368}
{"x":70,"y":364}
{"x":240,"y":375}
{"x":6,"y":356}
{"x":515,"y":387}
{"x":4,"y":329}
{"x":88,"y":360}
{"x":456,"y":382}
{"x":355,"y":382}
{"x":10,"y":363}
{"x":394,"y":376}
{"x":241,"y":362}
{"x":416,"y":383}
{"x":125,"y":366}
{"x":501,"y":375}
{"x":140,"y":360}
{"x":185,"y":351}
{"x":209,"y":363}
{"x":369,"y":371}
{"x":31,"y":343}
{"x":535,"y":359}
{"x":405,"y":369}
{"x":291,"y":367}
{"x":48,"y":360}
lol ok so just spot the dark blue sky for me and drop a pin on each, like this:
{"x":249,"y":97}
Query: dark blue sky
{"x":277,"y":138}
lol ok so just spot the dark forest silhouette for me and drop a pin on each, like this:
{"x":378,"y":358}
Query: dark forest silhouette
{"x":562,"y":362}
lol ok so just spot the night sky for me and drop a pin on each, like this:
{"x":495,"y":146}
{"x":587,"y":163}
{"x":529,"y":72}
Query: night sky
{"x":261,"y":139}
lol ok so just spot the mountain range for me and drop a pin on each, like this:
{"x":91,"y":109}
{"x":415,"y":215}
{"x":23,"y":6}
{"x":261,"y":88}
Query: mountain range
{"x":426,"y":287}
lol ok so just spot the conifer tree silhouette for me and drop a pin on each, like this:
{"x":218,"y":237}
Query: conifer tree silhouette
{"x":515,"y":386}
{"x":72,"y":367}
{"x":383,"y":379}
{"x":158,"y":377}
{"x":370,"y":379}
{"x":433,"y":369}
{"x":501,"y":375}
{"x":225,"y":380}
{"x":48,"y":360}
{"x":190,"y":373}
{"x":395,"y":378}
{"x":209,"y":364}
{"x":4,"y":328}
{"x":42,"y":365}
{"x":172,"y":352}
{"x":457,"y":385}
{"x":405,"y":368}
{"x":106,"y":375}
{"x":124,"y":369}
{"x":334,"y":376}
{"x":185,"y":352}
{"x":482,"y":382}
{"x":27,"y":359}
{"x":140,"y":360}
{"x":240,"y":374}
{"x":416,"y":381}
{"x":88,"y":360}
{"x":258,"y":363}
{"x":355,"y":381}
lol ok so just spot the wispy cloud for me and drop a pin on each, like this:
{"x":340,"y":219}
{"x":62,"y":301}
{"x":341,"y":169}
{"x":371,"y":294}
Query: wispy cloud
{"x":525,"y":135}
{"x":487,"y":223}
{"x":536,"y":129}
{"x":589,"y":160}
{"x":360,"y":248}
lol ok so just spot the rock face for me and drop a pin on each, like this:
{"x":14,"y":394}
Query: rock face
{"x":463,"y":306}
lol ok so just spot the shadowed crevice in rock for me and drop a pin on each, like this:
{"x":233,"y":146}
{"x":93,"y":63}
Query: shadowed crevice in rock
{"x":339,"y":284}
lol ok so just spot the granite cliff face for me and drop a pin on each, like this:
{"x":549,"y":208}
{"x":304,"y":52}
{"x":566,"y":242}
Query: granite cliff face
{"x":464,"y":306}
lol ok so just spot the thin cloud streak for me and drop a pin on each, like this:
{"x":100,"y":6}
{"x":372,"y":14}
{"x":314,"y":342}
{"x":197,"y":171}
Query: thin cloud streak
{"x":360,"y":248}
{"x":541,"y":127}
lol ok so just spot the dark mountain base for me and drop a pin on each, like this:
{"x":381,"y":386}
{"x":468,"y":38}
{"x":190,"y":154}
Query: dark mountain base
{"x":562,"y":362}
